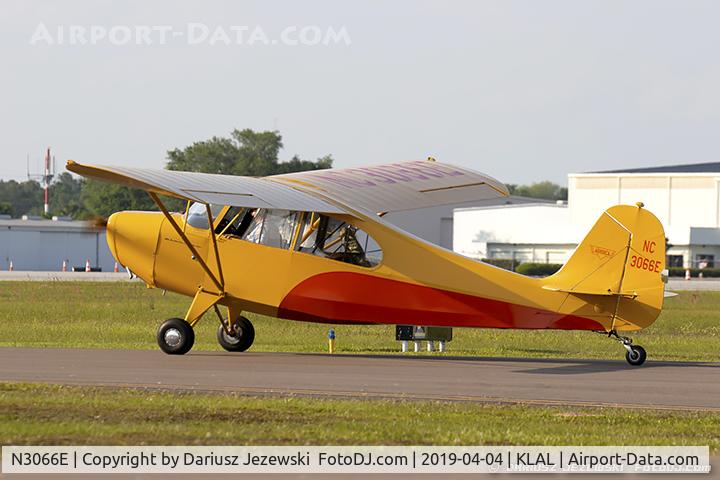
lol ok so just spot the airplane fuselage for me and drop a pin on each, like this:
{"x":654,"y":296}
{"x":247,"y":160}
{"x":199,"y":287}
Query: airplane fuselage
{"x":415,"y":283}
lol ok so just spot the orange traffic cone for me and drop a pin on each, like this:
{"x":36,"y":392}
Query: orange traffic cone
{"x":10,"y":268}
{"x":87,"y":265}
{"x":64,"y":267}
{"x":116,"y":269}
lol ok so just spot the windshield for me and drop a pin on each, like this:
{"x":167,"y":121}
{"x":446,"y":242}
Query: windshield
{"x":197,"y":216}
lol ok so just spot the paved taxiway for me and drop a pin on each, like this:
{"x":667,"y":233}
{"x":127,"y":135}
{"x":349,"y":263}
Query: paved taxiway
{"x":664,"y":385}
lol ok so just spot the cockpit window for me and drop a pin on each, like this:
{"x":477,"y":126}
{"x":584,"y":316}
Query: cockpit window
{"x":273,"y":228}
{"x":197,"y":216}
{"x":337,"y":240}
{"x":317,"y":234}
{"x":234,"y":222}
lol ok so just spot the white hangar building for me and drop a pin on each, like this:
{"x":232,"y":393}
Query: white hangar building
{"x":686,"y":199}
{"x":435,"y":224}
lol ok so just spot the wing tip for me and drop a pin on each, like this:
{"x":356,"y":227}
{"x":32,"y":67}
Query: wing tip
{"x":499,"y":187}
{"x":72,"y":165}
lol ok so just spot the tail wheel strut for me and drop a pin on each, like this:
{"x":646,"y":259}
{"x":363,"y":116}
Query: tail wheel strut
{"x":635,"y":354}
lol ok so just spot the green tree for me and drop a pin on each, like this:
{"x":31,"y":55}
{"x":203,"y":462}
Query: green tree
{"x":66,"y":196}
{"x":6,"y":208}
{"x":217,"y":155}
{"x":296,"y":164}
{"x":22,"y":196}
{"x":257,"y":152}
{"x":546,"y":190}
{"x":100,"y":199}
{"x":246,"y":152}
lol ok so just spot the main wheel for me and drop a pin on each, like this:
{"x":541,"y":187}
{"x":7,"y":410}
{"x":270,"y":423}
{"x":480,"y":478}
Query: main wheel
{"x":175,"y":336}
{"x":243,"y":338}
{"x":636,"y":356}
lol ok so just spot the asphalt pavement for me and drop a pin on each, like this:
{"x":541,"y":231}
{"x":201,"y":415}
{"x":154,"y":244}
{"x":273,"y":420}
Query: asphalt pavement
{"x":656,"y":385}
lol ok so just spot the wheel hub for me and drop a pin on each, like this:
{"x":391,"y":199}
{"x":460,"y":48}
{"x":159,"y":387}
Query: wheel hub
{"x":173,"y":337}
{"x":232,"y":338}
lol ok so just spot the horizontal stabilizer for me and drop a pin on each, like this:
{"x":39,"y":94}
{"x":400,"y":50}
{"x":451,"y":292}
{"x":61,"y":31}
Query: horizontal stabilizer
{"x":576,"y":291}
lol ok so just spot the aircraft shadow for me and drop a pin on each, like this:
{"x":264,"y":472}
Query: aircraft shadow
{"x":555,"y":366}
{"x":579,"y":367}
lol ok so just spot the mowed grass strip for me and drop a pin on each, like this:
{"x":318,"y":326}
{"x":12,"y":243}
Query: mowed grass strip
{"x":34,"y":414}
{"x":127,"y":314}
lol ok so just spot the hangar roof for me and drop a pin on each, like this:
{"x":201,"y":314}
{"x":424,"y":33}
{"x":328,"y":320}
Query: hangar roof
{"x":46,"y":225}
{"x":708,"y":167}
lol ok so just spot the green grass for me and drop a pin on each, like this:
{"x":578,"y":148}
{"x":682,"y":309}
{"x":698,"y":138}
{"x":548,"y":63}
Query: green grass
{"x":126,"y":315}
{"x":60,"y":415}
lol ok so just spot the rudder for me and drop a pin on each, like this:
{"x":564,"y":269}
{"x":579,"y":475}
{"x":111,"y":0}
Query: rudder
{"x":622,"y":259}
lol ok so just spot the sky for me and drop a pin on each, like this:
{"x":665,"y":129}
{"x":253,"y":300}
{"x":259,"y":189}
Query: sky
{"x":521,"y":90}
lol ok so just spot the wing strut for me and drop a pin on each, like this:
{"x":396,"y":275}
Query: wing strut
{"x":220,"y":284}
{"x":211,"y":227}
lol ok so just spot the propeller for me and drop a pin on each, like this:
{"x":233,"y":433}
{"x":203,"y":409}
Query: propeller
{"x":98,"y":222}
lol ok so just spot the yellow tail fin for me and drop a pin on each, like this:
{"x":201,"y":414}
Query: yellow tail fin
{"x":622,"y":258}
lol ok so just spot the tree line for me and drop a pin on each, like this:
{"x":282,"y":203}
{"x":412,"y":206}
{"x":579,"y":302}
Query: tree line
{"x":546,"y":190}
{"x":244,"y":152}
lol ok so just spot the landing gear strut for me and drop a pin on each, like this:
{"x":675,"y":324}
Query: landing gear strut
{"x":635,"y":354}
{"x":240,"y":338}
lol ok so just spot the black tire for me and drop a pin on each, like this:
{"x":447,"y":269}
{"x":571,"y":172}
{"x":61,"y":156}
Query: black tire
{"x":244,"y":338}
{"x":636,"y":356}
{"x":175,"y":337}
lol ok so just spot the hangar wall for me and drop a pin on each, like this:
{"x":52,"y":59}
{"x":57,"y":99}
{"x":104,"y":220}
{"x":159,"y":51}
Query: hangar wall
{"x":686,"y":203}
{"x":42,"y":245}
{"x":435,"y":224}
{"x":685,"y":198}
{"x":678,"y":200}
{"x":517,"y":232}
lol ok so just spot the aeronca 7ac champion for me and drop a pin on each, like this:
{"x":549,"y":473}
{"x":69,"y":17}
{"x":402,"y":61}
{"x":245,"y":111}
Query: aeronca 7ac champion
{"x":313,"y":246}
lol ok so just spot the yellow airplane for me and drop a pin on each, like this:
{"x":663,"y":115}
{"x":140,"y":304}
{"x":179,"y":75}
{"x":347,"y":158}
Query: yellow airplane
{"x":313,"y":246}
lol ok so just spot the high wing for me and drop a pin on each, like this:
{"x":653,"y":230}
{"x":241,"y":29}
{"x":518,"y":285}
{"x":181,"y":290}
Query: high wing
{"x":210,"y":188}
{"x":398,"y":186}
{"x":374,"y":190}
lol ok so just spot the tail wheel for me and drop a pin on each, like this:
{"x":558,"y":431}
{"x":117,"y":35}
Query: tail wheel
{"x":175,"y":336}
{"x":636,"y":355}
{"x":242,"y":339}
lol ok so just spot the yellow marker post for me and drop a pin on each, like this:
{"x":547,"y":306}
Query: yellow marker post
{"x":331,"y":341}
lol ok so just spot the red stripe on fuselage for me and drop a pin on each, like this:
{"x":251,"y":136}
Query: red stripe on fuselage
{"x":344,"y":297}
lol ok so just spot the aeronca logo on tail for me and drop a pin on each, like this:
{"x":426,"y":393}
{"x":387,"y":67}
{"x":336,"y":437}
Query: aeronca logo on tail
{"x":601,"y":252}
